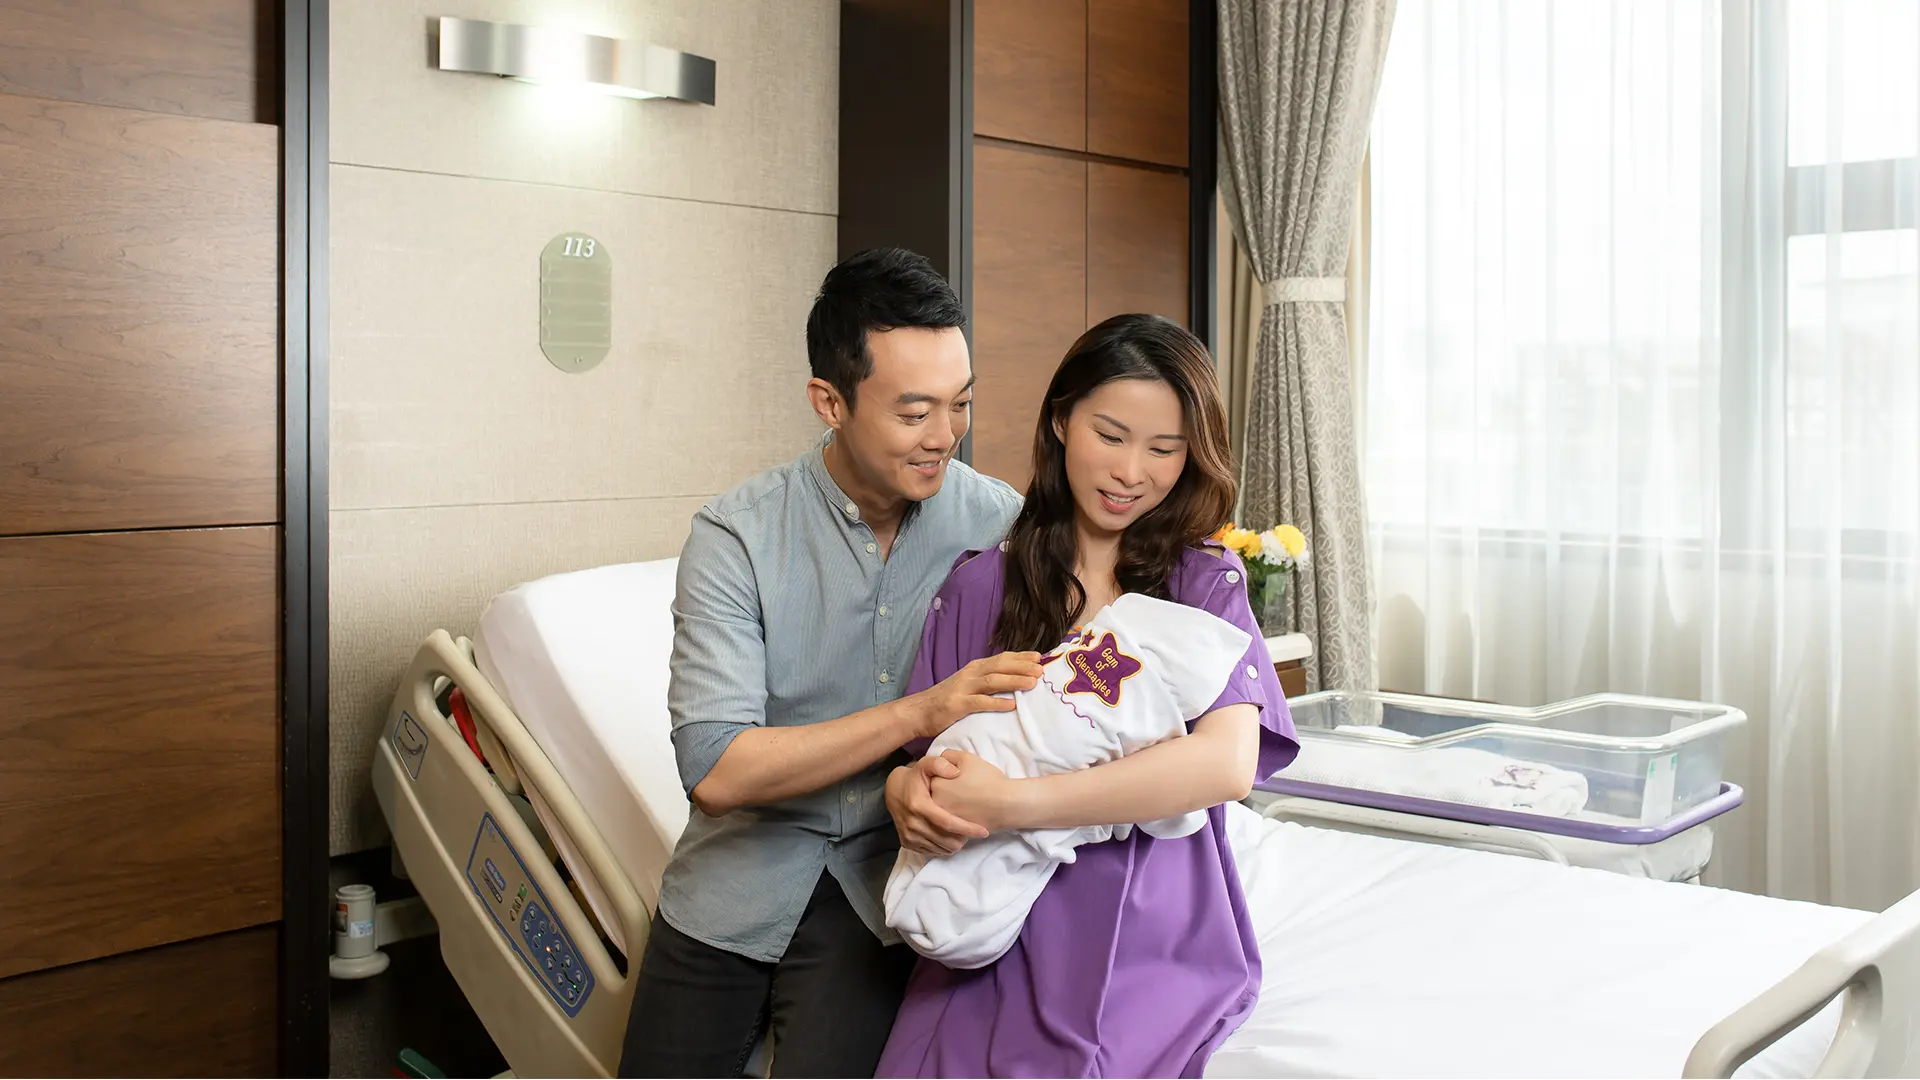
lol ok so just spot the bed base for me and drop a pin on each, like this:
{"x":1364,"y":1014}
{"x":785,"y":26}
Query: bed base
{"x":468,"y":850}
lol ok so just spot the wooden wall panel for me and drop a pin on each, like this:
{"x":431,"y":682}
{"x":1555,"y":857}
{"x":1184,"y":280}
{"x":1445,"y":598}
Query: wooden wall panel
{"x":138,"y":356}
{"x":1137,"y":239}
{"x":1030,"y":289}
{"x":1137,"y":80}
{"x":139,"y":740}
{"x":212,"y":58}
{"x":1030,"y":71}
{"x":199,"y":1008}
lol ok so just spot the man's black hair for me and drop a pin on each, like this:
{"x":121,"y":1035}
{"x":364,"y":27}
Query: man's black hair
{"x":875,"y":290}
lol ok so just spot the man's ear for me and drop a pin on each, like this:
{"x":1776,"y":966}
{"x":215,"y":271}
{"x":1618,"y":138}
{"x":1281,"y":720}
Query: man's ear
{"x":828,"y":405}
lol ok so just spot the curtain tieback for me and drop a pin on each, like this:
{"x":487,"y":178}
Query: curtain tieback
{"x":1306,"y":290}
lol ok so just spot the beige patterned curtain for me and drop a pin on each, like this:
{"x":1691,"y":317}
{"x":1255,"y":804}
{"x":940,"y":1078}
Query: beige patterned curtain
{"x":1297,"y":84}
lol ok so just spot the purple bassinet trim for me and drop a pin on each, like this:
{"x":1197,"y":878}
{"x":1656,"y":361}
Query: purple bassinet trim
{"x":1730,"y":796}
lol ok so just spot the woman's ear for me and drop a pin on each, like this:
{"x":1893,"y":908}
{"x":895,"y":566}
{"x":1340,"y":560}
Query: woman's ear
{"x":1059,"y":427}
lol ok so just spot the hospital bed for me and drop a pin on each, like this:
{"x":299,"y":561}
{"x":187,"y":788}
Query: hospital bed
{"x":529,"y":781}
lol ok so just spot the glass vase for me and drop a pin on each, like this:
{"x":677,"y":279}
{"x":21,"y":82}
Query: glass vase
{"x":1270,"y":606}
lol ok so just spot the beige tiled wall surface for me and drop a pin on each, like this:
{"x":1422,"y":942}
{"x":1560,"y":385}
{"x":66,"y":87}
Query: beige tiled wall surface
{"x":462,"y":462}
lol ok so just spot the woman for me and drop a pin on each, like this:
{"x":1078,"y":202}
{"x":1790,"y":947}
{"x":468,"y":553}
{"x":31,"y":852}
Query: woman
{"x":1138,"y":959}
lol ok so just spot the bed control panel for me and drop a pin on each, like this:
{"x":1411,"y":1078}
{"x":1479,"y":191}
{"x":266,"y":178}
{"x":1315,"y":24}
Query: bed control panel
{"x":524,"y":917}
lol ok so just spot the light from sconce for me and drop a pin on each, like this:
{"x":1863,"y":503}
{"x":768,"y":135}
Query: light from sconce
{"x":543,"y":55}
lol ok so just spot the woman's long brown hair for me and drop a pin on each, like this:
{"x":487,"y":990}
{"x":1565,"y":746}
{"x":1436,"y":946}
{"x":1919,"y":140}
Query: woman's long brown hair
{"x":1042,"y":595}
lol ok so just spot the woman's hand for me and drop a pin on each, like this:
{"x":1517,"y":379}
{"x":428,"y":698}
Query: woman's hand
{"x":975,"y":790}
{"x":924,"y":825}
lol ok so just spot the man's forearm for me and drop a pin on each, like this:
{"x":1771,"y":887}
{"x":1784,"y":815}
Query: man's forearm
{"x":768,"y":764}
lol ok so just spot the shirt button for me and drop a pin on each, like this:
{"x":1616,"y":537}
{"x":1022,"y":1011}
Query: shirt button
{"x":871,"y":548}
{"x":936,"y":603}
{"x":852,"y":509}
{"x":883,"y":611}
{"x":853,"y":797}
{"x":1233,"y":577}
{"x":884,"y":676}
{"x":1252,"y":672}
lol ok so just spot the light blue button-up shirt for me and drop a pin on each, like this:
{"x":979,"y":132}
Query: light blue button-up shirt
{"x":786,"y":614}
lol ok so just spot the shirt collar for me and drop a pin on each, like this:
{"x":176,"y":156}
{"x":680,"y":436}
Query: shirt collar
{"x":844,"y":507}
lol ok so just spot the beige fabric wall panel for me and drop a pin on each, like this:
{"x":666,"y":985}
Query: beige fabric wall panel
{"x":769,"y":140}
{"x":462,"y":461}
{"x":399,"y":575}
{"x":441,"y":395}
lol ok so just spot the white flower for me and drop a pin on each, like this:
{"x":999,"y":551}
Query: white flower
{"x":1273,"y":552}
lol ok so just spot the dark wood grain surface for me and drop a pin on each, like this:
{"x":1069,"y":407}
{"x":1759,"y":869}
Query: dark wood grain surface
{"x":1030,"y":294}
{"x":211,"y":58}
{"x":1137,"y":79}
{"x":139,"y":740}
{"x":1030,"y":71}
{"x":139,"y":381}
{"x":200,"y":1008}
{"x":1137,"y":241}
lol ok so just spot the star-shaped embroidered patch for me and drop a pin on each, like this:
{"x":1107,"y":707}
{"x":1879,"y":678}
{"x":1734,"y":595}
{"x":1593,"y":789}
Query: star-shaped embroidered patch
{"x":1100,"y":669}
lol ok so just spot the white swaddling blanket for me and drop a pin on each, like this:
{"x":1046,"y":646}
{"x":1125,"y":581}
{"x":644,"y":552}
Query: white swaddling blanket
{"x":1141,"y":670}
{"x":1449,"y":774}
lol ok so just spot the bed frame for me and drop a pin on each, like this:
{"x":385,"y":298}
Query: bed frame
{"x":426,"y":775}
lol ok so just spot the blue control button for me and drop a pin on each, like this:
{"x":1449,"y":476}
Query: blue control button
{"x":577,"y":976}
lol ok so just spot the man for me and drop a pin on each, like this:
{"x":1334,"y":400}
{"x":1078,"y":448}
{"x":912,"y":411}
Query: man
{"x":799,"y":608}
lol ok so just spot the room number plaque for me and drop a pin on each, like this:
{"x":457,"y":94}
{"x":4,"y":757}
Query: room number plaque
{"x":576,"y":302}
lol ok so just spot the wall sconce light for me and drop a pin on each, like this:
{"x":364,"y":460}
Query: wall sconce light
{"x":542,"y":55}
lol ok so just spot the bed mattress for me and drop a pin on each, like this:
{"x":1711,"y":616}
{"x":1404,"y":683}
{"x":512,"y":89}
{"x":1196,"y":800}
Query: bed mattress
{"x":582,"y":659}
{"x":1381,"y":957}
{"x":1385,"y":957}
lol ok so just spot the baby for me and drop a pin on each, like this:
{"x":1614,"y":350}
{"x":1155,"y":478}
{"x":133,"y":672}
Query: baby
{"x":1137,"y":674}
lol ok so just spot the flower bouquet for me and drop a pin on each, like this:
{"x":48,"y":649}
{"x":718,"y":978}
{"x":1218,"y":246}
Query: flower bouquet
{"x":1271,"y":558}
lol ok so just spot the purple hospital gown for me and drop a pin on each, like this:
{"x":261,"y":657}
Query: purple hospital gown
{"x":1138,"y":959}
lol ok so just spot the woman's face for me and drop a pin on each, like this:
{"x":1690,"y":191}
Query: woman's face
{"x":1126,"y":446}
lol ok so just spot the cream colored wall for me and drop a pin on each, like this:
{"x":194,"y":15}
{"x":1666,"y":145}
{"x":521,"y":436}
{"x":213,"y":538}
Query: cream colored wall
{"x":462,"y":463}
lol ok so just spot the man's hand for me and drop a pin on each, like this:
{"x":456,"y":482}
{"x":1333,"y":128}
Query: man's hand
{"x":923,"y":825}
{"x":973,"y":688}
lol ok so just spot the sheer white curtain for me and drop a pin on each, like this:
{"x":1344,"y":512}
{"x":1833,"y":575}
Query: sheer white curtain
{"x":1644,"y":390}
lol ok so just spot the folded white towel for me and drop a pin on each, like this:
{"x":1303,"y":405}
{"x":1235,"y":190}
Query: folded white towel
{"x":1141,"y":671}
{"x":1450,"y":774}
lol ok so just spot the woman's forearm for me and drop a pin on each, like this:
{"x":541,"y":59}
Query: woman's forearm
{"x":1212,"y":765}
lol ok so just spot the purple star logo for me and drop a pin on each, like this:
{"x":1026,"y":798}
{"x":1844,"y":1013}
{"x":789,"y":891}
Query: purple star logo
{"x":1099,"y":670}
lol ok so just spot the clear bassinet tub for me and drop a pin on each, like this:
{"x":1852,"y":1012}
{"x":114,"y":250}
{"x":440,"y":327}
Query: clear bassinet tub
{"x":1608,"y":767}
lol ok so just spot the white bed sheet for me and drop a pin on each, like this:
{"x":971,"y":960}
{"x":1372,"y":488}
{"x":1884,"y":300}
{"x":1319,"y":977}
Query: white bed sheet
{"x":1381,"y":957}
{"x":1385,"y":957}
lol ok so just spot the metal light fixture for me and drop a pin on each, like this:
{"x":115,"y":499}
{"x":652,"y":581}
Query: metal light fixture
{"x":542,"y":55}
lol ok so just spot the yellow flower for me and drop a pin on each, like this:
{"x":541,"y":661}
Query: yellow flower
{"x":1291,"y":539}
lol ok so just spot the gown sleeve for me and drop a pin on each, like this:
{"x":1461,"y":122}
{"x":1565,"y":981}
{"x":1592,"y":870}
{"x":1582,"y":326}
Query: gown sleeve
{"x":1222,"y":590}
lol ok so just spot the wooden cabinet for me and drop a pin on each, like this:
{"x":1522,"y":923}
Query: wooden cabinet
{"x":141,"y":571}
{"x":1043,"y":155}
{"x":1137,"y":77}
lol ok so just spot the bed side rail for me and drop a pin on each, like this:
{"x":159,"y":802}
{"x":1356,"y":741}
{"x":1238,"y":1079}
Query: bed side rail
{"x":1392,"y":823}
{"x":498,"y":725}
{"x":1877,"y":967}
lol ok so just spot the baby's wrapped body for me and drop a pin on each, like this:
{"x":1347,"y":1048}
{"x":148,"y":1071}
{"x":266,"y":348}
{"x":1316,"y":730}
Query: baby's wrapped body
{"x":1138,"y":674}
